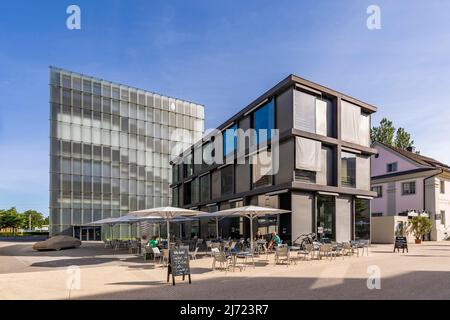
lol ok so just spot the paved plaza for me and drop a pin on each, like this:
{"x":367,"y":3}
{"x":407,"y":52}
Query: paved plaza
{"x":101,"y":273}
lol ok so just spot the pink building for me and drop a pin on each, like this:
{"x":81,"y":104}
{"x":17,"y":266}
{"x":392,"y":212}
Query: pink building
{"x":406,"y":181}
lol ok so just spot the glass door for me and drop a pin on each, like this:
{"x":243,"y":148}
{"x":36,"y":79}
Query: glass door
{"x":326,"y":218}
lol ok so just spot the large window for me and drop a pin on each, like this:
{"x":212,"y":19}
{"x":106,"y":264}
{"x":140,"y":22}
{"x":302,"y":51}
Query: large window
{"x":187,"y":193}
{"x":227,"y":180}
{"x":408,"y":188}
{"x":188,"y":168}
{"x":378,"y":190}
{"x":313,"y":115}
{"x":326,"y":217}
{"x":175,"y":197}
{"x":355,"y":124}
{"x":264,"y":119}
{"x":362,"y":219}
{"x":229,"y":140}
{"x":194,"y":191}
{"x":205,"y":187}
{"x":262,"y":169}
{"x":348,"y":169}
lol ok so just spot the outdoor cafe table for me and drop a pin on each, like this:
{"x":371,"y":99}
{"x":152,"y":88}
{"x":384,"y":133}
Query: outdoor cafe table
{"x":244,"y":255}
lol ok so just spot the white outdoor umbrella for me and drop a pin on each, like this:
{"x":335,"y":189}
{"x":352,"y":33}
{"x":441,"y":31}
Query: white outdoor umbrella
{"x":166,"y":213}
{"x":251,"y":212}
{"x":212,"y":215}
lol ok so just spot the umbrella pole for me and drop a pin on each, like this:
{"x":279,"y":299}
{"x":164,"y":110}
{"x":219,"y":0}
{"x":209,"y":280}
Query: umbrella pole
{"x":217,"y":228}
{"x":168,"y":234}
{"x":251,"y":233}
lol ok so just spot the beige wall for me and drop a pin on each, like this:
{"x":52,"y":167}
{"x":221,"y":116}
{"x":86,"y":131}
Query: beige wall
{"x":383,"y":229}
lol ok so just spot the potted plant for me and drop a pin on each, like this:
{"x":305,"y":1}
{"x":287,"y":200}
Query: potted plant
{"x":419,"y":226}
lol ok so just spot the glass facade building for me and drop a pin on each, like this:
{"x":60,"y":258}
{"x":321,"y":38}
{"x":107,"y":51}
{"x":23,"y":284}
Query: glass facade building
{"x":110,"y":150}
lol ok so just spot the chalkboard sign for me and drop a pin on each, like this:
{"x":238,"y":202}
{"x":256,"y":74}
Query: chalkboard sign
{"x":401,"y":243}
{"x":178,"y":264}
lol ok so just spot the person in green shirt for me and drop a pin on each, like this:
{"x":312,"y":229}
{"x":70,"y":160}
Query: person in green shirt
{"x":153,"y":242}
{"x":274,"y":241}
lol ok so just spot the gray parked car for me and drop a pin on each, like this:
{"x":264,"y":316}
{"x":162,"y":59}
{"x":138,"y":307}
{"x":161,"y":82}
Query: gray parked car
{"x":57,"y":243}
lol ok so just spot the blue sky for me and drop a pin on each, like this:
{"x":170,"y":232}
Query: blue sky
{"x":222,"y":54}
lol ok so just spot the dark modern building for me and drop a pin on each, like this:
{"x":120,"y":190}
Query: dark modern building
{"x":316,"y":165}
{"x":110,"y":150}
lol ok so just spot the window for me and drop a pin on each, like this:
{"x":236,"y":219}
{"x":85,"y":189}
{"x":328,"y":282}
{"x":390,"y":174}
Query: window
{"x":175,"y":197}
{"x":187,"y":166}
{"x":442,"y":186}
{"x":175,"y":168}
{"x":205,"y":188}
{"x":355,"y":124}
{"x":348,"y":169}
{"x":326,"y":217}
{"x":408,"y":188}
{"x":362,"y":219}
{"x":262,"y":169}
{"x":187,"y":193}
{"x":194,"y":191}
{"x":264,"y":119}
{"x":391,"y":167}
{"x":378,"y":190}
{"x":227,"y":180}
{"x":377,"y":214}
{"x":307,"y":154}
{"x":305,"y":112}
{"x":229,"y":140}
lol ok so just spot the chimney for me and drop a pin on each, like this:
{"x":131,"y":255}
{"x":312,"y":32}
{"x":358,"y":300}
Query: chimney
{"x":411,"y":149}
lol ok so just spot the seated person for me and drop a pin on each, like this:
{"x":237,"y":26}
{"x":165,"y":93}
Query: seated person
{"x":274,"y":241}
{"x":259,"y":236}
{"x":153,"y":242}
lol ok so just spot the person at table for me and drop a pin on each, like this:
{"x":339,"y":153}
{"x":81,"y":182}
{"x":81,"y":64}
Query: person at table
{"x":153,"y":242}
{"x":259,"y":236}
{"x":274,"y":241}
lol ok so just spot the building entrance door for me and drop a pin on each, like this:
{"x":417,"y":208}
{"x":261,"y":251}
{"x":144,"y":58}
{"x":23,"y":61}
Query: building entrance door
{"x":88,"y":233}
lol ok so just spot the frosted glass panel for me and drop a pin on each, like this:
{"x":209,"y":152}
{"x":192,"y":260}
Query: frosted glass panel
{"x":87,"y":135}
{"x":321,"y":117}
{"x":304,"y":111}
{"x":350,"y":120}
{"x":364,"y":130}
{"x":65,"y":131}
{"x":308,"y":154}
{"x":96,"y":136}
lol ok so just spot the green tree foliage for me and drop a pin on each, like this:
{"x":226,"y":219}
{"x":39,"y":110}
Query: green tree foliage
{"x":11,"y":219}
{"x":37,"y":219}
{"x":403,"y":139}
{"x":387,"y":134}
{"x":384,"y":133}
{"x":419,"y":226}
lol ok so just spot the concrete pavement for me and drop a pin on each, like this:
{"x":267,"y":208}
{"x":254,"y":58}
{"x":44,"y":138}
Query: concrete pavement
{"x":95,"y":272}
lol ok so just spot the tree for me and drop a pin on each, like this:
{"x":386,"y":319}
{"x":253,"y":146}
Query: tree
{"x":11,"y":219}
{"x":46,"y":221}
{"x":403,"y":139}
{"x":419,"y":226}
{"x":387,"y":134}
{"x":37,"y":219}
{"x":384,"y":133}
